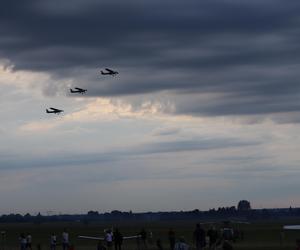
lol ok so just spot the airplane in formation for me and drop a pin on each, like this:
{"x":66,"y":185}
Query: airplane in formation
{"x":54,"y":111}
{"x":81,"y":91}
{"x":109,"y":72}
{"x":78,"y":90}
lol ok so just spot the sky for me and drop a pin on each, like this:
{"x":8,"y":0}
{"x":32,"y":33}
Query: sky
{"x":204,"y":112}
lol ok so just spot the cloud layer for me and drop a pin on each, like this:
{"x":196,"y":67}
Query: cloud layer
{"x":244,"y":55}
{"x":206,"y":103}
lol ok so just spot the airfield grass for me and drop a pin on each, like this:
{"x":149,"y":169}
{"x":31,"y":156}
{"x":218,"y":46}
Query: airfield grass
{"x":258,"y":236}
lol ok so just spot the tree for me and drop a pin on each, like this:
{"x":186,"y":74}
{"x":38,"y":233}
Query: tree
{"x":244,"y":205}
{"x":93,"y":213}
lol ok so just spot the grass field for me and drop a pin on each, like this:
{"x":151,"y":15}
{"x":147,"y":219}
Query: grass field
{"x":258,"y":236}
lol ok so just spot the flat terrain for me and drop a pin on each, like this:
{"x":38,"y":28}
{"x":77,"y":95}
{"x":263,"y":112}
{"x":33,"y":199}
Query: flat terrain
{"x":258,"y":236}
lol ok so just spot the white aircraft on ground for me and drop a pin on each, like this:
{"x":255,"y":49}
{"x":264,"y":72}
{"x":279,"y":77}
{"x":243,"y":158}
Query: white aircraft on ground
{"x":102,"y":238}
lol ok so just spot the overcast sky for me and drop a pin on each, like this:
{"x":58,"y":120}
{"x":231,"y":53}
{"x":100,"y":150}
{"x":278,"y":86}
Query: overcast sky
{"x":205,"y":110}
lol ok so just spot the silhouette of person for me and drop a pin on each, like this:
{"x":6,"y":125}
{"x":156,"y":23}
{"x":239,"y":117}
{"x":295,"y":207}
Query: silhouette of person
{"x":212,"y":233}
{"x":100,"y":245}
{"x":171,"y":236}
{"x":109,"y":239}
{"x":65,"y":240}
{"x":159,"y":245}
{"x":199,"y":237}
{"x":53,"y":242}
{"x":227,"y":245}
{"x":181,"y":245}
{"x":143,"y":235}
{"x":298,"y":244}
{"x":118,"y":239}
{"x":23,"y":242}
{"x":28,"y":241}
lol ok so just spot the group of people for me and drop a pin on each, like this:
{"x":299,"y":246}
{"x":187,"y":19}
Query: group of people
{"x":26,"y":242}
{"x":116,"y":238}
{"x":210,"y":239}
{"x":201,"y":239}
{"x":64,"y":241}
{"x":111,"y":237}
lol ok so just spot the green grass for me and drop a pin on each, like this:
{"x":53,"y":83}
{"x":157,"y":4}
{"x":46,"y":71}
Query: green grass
{"x":258,"y":236}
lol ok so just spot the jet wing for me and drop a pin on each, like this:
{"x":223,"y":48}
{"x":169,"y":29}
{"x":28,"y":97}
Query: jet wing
{"x":291,"y":227}
{"x":79,"y":89}
{"x":131,"y":237}
{"x":102,"y":238}
{"x":109,"y":70}
{"x":90,"y":237}
{"x":57,"y":110}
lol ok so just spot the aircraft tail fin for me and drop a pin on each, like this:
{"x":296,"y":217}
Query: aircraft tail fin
{"x":71,"y":90}
{"x":47,"y":111}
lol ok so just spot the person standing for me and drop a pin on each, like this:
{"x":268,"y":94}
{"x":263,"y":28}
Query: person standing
{"x":298,"y":244}
{"x":65,"y":240}
{"x":53,"y":242}
{"x":143,"y":235}
{"x":181,"y":245}
{"x":28,"y":241}
{"x":23,"y":242}
{"x":212,"y":233}
{"x":109,"y":239}
{"x":227,"y":245}
{"x":118,"y":239}
{"x":100,"y":245}
{"x":199,"y":237}
{"x":171,"y":236}
{"x":159,"y":245}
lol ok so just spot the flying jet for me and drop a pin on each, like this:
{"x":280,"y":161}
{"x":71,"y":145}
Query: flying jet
{"x":78,"y":90}
{"x":54,"y":111}
{"x":109,"y":72}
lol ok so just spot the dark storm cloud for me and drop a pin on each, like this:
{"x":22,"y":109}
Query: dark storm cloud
{"x":246,"y":54}
{"x":126,"y":32}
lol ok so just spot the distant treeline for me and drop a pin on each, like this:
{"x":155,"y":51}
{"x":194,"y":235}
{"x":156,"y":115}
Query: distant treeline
{"x":219,"y":214}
